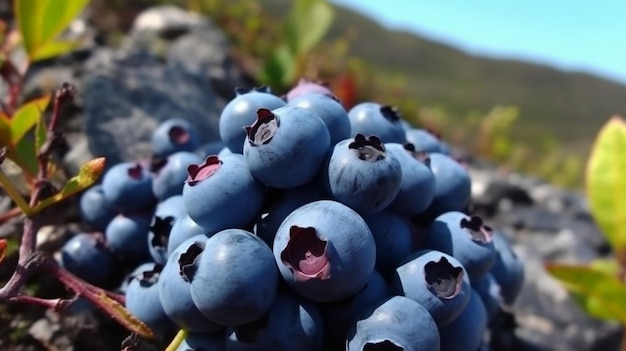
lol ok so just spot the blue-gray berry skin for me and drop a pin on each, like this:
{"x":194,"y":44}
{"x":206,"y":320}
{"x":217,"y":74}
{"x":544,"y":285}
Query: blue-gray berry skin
{"x":175,"y":290}
{"x":286,"y":147}
{"x":127,"y":187}
{"x":332,"y":113}
{"x":436,"y":281}
{"x":127,"y":236}
{"x":95,"y":210}
{"x":171,"y":207}
{"x":234,"y":279}
{"x":417,"y":189}
{"x":173,"y":135}
{"x":424,"y":141}
{"x":136,"y":272}
{"x":489,"y":291}
{"x":341,"y":315}
{"x":467,"y":238}
{"x":183,"y":229}
{"x":221,"y":193}
{"x":370,"y":118}
{"x":143,"y":302}
{"x":87,"y":256}
{"x":467,"y":331}
{"x":158,"y":237}
{"x":325,"y":251}
{"x":393,"y":237}
{"x":508,"y":269}
{"x":241,"y":112}
{"x":453,"y":186}
{"x":397,"y":323}
{"x":292,"y":323}
{"x":170,"y":174}
{"x":361,"y":174}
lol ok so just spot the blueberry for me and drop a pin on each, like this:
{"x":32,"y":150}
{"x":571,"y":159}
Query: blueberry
{"x":221,"y":193}
{"x":173,"y":206}
{"x":329,"y":110}
{"x":95,"y":210}
{"x":424,"y":141}
{"x":417,"y":189}
{"x":173,"y":135}
{"x":489,"y":292}
{"x":234,"y":279}
{"x":397,"y":323}
{"x":307,"y":86}
{"x":325,"y":251}
{"x":136,"y":272}
{"x":466,"y":332}
{"x":158,"y":237}
{"x":453,"y":186}
{"x":142,"y":301}
{"x":127,"y":235}
{"x":211,"y":148}
{"x":183,"y":229}
{"x":467,"y":238}
{"x":241,"y":112}
{"x":292,"y":323}
{"x":286,"y":147}
{"x":341,"y":315}
{"x":393,"y":237}
{"x":127,"y":186}
{"x":508,"y":268}
{"x":267,"y":224}
{"x":436,"y":281}
{"x":170,"y":173}
{"x":87,"y":257}
{"x":370,"y":118}
{"x":175,"y":290}
{"x":362,"y":175}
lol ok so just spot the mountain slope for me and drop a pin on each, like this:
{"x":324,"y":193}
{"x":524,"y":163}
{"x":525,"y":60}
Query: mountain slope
{"x":571,"y":106}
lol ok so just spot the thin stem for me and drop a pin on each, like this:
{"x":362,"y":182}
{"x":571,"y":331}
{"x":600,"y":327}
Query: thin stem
{"x":48,"y":303}
{"x":178,"y":339}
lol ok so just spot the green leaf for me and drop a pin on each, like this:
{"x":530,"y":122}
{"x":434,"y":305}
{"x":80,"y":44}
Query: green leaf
{"x":54,"y":48}
{"x":24,"y":155}
{"x":41,"y":132}
{"x":87,"y":176}
{"x":307,"y":24}
{"x":26,"y":117}
{"x":606,"y":183}
{"x":41,"y":21}
{"x":280,"y":69}
{"x":599,"y":293}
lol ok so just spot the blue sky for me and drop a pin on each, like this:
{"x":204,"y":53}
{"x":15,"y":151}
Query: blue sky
{"x":580,"y":35}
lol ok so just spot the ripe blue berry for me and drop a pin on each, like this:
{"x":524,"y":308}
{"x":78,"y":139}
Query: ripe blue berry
{"x":436,"y":281}
{"x":329,"y":110}
{"x":363,"y":175}
{"x":466,"y":332}
{"x":221,"y":193}
{"x":95,"y":210}
{"x":183,"y":229}
{"x":393,"y":237}
{"x":325,"y":251}
{"x":87,"y":257}
{"x":453,"y":186}
{"x":173,"y":135}
{"x":397,"y":323}
{"x":467,"y":238}
{"x":170,"y":174}
{"x":234,"y":279}
{"x":142,"y":301}
{"x":127,"y":235}
{"x":417,"y":189}
{"x":175,"y":290}
{"x":424,"y":141}
{"x":127,"y":186}
{"x":241,"y":112}
{"x":292,"y":323}
{"x":370,"y":118}
{"x":286,"y":147}
{"x":508,"y":269}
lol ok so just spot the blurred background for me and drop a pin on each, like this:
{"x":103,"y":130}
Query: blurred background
{"x":525,"y":84}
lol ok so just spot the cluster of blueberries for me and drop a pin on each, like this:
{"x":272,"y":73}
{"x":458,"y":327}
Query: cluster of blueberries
{"x":308,"y":227}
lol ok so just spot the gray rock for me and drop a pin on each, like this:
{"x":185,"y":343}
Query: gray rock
{"x":128,"y":92}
